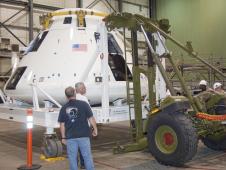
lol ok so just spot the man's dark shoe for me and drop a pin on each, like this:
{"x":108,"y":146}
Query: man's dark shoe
{"x":82,"y":167}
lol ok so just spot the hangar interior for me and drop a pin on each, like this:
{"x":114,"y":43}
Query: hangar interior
{"x":196,"y":25}
{"x":202,"y":23}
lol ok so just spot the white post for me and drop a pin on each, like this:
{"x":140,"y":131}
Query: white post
{"x":104,"y":72}
{"x":49,"y":130}
{"x":35,"y":97}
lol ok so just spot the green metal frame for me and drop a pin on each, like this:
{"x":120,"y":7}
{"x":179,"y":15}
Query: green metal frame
{"x":140,"y":23}
{"x":136,"y":86}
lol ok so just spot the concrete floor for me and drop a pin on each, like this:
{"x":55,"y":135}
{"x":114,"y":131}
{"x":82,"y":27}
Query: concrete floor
{"x":13,"y":151}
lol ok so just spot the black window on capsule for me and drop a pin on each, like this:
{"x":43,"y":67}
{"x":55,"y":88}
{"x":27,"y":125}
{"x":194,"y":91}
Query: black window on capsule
{"x":116,"y":61}
{"x":36,"y":43}
{"x":67,"y":20}
{"x":13,"y":81}
{"x":113,"y":47}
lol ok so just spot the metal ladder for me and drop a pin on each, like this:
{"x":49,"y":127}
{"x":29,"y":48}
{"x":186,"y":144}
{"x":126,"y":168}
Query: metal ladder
{"x":129,"y":85}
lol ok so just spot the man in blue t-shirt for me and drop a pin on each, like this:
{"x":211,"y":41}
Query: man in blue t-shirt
{"x":75,"y":131}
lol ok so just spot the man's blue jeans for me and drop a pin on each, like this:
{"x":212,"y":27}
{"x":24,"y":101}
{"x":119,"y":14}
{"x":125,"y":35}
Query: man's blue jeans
{"x":72,"y":150}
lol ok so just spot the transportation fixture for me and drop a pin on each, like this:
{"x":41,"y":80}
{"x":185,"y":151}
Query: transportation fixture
{"x":175,"y":125}
{"x":73,"y":46}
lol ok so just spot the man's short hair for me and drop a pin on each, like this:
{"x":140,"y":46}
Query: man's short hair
{"x":78,"y":85}
{"x":69,"y":92}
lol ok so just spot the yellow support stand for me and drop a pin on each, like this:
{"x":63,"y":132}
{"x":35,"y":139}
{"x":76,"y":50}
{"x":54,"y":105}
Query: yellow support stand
{"x":42,"y":157}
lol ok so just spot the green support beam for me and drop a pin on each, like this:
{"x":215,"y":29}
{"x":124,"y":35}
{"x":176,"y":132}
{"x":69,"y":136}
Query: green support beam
{"x":136,"y":87}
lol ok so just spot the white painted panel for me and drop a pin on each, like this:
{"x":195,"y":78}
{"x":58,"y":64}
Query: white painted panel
{"x":23,"y":35}
{"x":135,"y":9}
{"x":4,"y":65}
{"x":56,"y":3}
{"x":70,"y":4}
{"x":101,"y":6}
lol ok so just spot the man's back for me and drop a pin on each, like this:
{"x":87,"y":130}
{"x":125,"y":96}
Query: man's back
{"x":75,"y":115}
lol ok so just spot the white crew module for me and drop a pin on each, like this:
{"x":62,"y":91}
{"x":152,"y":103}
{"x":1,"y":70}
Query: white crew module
{"x":69,"y":51}
{"x":75,"y":46}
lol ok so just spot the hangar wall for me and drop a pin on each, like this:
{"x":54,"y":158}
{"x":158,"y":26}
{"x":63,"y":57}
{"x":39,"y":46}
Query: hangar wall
{"x":200,"y":21}
{"x":21,"y":20}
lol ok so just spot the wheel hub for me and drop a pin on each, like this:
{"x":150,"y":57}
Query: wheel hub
{"x":168,"y":138}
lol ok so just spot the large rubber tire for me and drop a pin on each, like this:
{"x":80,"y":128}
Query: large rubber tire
{"x":215,"y":144}
{"x":172,"y":139}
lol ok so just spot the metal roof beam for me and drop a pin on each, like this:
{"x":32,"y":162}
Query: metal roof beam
{"x":23,"y":4}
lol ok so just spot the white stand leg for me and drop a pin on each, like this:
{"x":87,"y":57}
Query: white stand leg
{"x":49,"y":129}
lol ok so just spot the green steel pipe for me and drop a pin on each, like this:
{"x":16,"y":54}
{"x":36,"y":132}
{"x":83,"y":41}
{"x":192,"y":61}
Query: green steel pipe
{"x":159,"y":64}
{"x":136,"y":86}
{"x":151,"y":75}
{"x":195,"y":105}
{"x":151,"y":81}
{"x":192,"y":53}
{"x":137,"y":103}
{"x":141,"y":144}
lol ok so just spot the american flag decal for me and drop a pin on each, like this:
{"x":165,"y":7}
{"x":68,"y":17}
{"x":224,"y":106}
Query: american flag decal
{"x":79,"y":47}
